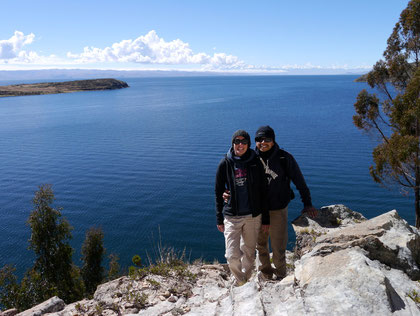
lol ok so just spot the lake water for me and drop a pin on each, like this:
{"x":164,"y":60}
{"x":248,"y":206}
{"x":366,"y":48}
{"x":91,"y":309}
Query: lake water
{"x":140,"y":162}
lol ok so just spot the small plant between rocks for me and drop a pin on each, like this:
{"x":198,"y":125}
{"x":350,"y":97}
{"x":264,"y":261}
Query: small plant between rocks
{"x":169,"y":263}
{"x":414,"y":295}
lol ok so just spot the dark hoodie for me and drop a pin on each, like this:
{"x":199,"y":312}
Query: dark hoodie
{"x":245,"y":179}
{"x":279,"y":173}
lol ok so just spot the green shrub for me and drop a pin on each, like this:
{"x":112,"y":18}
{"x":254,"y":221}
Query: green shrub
{"x":114,"y":269}
{"x":153,"y":283}
{"x":414,"y":295}
{"x":136,"y":260}
{"x":92,"y":254}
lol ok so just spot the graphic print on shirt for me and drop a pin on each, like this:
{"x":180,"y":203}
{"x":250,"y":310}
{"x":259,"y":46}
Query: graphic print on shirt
{"x":240,"y":177}
{"x":271,"y":175}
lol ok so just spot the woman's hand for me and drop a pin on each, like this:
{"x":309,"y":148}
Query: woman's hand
{"x":226,"y":196}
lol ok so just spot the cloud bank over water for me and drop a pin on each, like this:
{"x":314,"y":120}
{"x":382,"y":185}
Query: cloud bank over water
{"x":151,"y":49}
{"x":136,"y":54}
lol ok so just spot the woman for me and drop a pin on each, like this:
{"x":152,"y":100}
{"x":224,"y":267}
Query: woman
{"x":242,"y":173}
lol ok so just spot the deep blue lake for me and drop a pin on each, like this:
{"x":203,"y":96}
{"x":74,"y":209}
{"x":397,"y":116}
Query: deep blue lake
{"x":140,"y":162}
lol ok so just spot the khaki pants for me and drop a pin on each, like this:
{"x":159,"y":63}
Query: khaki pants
{"x":278,"y":238}
{"x":241,"y":234}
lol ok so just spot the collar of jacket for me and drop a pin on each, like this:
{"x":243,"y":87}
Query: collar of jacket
{"x":273,"y":150}
{"x":249,"y":155}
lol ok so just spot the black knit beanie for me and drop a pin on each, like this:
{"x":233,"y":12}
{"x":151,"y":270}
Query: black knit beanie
{"x":265,"y":131}
{"x":244,"y":134}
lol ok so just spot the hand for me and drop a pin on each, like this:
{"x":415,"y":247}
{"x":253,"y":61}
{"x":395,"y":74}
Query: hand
{"x":311,"y":211}
{"x":265,"y":228}
{"x":221,"y":228}
{"x":226,"y":196}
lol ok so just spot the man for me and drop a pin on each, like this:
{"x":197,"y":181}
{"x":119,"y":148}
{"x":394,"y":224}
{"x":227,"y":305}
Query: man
{"x":280,"y":168}
{"x":240,"y":218}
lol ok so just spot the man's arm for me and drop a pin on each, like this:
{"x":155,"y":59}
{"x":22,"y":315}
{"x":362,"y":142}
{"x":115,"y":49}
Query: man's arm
{"x":300,"y":183}
{"x":265,"y":217}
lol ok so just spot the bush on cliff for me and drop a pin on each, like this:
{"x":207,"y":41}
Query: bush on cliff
{"x":114,"y":268}
{"x":92,"y":254}
{"x":54,"y":269}
{"x":54,"y":273}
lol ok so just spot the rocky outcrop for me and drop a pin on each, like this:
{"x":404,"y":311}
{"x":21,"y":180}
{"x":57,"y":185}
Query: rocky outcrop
{"x":61,"y":87}
{"x":9,"y":312}
{"x":343,"y":265}
{"x":362,"y":268}
{"x":54,"y":304}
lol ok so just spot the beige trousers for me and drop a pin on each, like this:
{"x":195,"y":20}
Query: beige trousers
{"x":278,"y":240}
{"x":241,"y":234}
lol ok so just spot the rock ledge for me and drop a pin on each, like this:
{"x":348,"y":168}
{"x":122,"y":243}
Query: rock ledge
{"x":343,"y":265}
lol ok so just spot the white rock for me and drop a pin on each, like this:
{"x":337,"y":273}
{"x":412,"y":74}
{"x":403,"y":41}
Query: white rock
{"x":9,"y":312}
{"x":54,"y":304}
{"x":347,"y":266}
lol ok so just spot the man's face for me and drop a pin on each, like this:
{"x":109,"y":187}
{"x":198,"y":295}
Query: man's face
{"x":240,"y":146}
{"x":264,"y":143}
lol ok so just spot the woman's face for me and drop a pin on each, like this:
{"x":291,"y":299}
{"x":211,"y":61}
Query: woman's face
{"x":240,"y":146}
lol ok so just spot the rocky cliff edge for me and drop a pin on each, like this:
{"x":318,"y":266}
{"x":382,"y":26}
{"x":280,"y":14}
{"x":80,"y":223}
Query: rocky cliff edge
{"x":343,"y":264}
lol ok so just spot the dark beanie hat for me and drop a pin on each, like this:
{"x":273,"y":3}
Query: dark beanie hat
{"x":265,"y":131}
{"x":244,"y":134}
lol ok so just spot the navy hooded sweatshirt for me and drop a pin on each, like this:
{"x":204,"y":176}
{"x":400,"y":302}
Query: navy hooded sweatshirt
{"x":245,"y":179}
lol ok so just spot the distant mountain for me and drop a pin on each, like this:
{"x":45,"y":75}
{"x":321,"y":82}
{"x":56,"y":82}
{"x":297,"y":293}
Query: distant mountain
{"x":63,"y":74}
{"x":67,"y":74}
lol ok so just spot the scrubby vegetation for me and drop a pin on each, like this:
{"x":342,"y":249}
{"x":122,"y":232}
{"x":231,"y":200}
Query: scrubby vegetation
{"x":168,"y":263}
{"x":93,"y":252}
{"x":54,"y":272}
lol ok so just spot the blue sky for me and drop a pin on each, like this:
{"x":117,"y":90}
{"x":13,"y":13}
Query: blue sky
{"x":244,"y":36}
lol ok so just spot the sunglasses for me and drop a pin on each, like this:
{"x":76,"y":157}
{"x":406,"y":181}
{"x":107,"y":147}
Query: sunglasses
{"x":263,"y":139}
{"x":240,"y":141}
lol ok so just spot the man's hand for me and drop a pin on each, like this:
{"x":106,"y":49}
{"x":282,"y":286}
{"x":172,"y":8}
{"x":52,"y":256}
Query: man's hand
{"x":311,"y":211}
{"x":226,"y":196}
{"x":221,"y":228}
{"x":265,"y":228}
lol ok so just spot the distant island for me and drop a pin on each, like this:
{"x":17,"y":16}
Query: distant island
{"x":362,"y":78}
{"x":61,"y":87}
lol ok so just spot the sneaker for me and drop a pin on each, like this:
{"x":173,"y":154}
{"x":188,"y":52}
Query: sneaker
{"x":278,"y":277}
{"x":237,"y":283}
{"x":264,"y":276}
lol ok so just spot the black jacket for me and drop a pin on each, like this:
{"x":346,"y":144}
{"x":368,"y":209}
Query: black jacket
{"x":279,"y":191}
{"x":257,"y":188}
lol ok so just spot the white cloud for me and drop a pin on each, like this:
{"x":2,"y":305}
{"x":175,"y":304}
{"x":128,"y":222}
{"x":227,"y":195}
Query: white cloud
{"x":12,"y":52}
{"x":151,"y":49}
{"x":12,"y":48}
{"x":148,"y":50}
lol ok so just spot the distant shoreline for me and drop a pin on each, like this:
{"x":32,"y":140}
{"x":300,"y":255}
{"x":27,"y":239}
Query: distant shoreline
{"x":61,"y":87}
{"x":41,"y":75}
